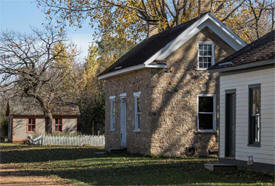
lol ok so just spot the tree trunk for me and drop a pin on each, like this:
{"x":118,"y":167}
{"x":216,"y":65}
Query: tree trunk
{"x":48,"y":122}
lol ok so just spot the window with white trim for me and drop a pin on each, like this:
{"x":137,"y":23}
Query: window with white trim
{"x":112,"y":113}
{"x":205,"y":55}
{"x":137,"y":111}
{"x":254,"y":114}
{"x":206,"y":114}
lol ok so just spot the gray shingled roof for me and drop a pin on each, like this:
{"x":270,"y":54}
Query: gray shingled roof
{"x":148,"y":47}
{"x":28,"y":106}
{"x":260,"y":50}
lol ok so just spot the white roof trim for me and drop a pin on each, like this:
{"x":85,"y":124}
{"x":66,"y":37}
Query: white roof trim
{"x":129,"y":69}
{"x":206,"y":21}
{"x":227,"y":30}
{"x":136,"y":67}
{"x":155,"y":66}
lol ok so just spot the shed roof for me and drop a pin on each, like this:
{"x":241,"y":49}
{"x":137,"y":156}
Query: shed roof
{"x":261,"y":50}
{"x":28,"y":106}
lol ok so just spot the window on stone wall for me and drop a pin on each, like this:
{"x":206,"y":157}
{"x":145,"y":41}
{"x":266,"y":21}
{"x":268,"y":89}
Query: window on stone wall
{"x":31,"y":125}
{"x":58,"y":124}
{"x":112,"y":113}
{"x":137,"y":111}
{"x":206,"y":114}
{"x":205,"y":55}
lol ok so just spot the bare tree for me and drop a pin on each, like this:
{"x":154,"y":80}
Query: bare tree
{"x":29,"y":68}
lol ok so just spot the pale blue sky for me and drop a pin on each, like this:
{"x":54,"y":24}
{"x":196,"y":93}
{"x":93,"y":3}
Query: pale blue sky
{"x":21,"y":15}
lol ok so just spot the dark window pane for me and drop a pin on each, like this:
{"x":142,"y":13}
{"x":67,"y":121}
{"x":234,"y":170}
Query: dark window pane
{"x":254,"y":114}
{"x":205,"y":104}
{"x":31,"y":124}
{"x":205,"y":121}
{"x":58,"y":127}
{"x":138,"y":104}
{"x":201,"y":65}
{"x":138,"y":121}
{"x":58,"y":124}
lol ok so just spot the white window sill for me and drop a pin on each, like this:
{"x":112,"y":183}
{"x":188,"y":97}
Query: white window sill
{"x":202,"y":69}
{"x":137,"y":130}
{"x":206,"y":131}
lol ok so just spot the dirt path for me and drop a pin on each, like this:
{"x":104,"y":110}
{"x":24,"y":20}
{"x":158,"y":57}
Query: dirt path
{"x":16,"y":177}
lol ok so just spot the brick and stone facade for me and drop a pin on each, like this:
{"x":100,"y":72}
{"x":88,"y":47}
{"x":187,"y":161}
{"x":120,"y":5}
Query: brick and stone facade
{"x":168,"y":102}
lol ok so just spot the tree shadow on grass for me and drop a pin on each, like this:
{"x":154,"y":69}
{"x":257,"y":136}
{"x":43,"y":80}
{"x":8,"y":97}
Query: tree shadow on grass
{"x":25,"y":154}
{"x":84,"y":166}
{"x":191,"y":172}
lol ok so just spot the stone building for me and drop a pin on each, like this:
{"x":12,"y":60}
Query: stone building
{"x":26,"y":118}
{"x":160,"y":97}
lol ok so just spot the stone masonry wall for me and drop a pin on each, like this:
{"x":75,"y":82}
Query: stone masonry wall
{"x":168,"y":103}
{"x":174,"y":101}
{"x":137,"y":142}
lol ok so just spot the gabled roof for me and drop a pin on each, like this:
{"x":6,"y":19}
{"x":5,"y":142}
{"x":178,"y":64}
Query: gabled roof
{"x":258,"y":53}
{"x":28,"y":106}
{"x":160,"y":46}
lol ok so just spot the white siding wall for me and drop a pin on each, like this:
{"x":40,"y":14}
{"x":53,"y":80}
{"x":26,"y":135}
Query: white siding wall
{"x":240,"y":81}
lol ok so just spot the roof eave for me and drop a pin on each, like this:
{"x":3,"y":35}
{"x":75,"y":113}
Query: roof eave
{"x":233,"y":40}
{"x":129,"y":69}
{"x":244,"y":66}
{"x":234,"y":36}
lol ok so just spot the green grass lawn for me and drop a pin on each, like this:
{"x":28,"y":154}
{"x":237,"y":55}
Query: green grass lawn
{"x":80,"y":165}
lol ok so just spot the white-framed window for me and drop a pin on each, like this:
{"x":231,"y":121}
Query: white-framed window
{"x":137,"y":111}
{"x":206,"y":55}
{"x":254,"y":106}
{"x":112,"y":113}
{"x":206,"y":112}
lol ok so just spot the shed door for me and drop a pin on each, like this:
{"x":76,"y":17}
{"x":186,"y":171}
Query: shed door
{"x":230,"y":123}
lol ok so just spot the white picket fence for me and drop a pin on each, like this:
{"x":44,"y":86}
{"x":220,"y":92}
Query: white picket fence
{"x":73,"y":140}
